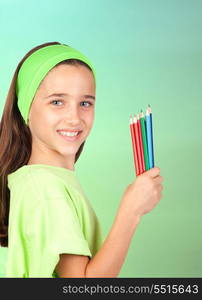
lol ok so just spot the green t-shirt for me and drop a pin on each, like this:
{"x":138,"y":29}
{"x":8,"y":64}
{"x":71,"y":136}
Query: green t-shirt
{"x":49,"y":214}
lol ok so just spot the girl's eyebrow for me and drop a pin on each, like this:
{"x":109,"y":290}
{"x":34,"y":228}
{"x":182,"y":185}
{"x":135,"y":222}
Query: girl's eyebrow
{"x":63,"y":94}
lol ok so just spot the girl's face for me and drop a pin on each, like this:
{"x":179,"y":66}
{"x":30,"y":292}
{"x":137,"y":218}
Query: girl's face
{"x":72,"y":110}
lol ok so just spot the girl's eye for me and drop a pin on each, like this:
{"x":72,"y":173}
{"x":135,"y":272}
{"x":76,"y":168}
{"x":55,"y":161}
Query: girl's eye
{"x":90,"y":104}
{"x":56,"y":101}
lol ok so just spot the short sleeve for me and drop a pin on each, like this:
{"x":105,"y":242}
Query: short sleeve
{"x":50,"y":225}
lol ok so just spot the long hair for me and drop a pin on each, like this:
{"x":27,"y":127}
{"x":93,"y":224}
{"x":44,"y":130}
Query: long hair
{"x":16,"y":142}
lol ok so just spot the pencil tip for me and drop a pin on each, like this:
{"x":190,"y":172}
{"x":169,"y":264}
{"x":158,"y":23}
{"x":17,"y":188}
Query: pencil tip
{"x":131,"y":119}
{"x":135,"y":119}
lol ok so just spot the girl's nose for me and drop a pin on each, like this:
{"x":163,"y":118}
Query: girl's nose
{"x":72,"y":114}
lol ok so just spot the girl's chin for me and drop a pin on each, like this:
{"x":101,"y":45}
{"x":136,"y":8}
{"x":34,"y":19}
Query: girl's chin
{"x":68,"y":150}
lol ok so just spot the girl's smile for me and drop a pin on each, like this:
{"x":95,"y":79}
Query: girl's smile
{"x":69,"y":135}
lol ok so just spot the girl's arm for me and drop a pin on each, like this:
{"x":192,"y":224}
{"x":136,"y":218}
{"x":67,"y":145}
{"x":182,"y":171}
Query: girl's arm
{"x":139,"y":198}
{"x":108,"y":260}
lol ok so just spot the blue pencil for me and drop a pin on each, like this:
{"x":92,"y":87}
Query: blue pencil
{"x":152,"y":138}
{"x":149,"y":131}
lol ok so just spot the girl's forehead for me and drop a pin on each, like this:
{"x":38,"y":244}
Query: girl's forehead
{"x":63,"y":72}
{"x":68,"y":68}
{"x":67,"y":77}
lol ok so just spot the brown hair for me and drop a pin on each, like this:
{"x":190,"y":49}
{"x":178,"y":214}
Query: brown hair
{"x":16,"y":142}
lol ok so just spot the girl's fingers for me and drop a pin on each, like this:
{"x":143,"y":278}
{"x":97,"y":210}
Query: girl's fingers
{"x":158,"y":179}
{"x":154,"y":172}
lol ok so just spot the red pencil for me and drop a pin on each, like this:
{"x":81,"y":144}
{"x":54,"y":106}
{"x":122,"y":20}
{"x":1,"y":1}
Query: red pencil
{"x":135,"y":128}
{"x":134,"y":144}
{"x":142,"y":169}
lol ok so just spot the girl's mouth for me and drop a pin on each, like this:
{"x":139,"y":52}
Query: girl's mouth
{"x":70,"y":138}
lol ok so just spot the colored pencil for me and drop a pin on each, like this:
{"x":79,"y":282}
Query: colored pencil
{"x":135,"y":128}
{"x":152,"y":139}
{"x":134,"y":145}
{"x":142,"y":164}
{"x":141,"y":129}
{"x":144,"y":139}
{"x":149,"y":136}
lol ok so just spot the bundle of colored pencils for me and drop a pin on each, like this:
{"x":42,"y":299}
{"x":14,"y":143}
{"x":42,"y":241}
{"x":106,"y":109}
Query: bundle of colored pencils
{"x":142,"y":141}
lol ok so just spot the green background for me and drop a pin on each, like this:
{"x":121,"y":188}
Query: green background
{"x":144,"y":52}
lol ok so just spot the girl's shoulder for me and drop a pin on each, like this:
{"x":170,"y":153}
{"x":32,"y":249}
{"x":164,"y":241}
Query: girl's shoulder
{"x":40,"y":185}
{"x":40,"y":180}
{"x":44,"y":180}
{"x":39,"y":173}
{"x":29,"y":174}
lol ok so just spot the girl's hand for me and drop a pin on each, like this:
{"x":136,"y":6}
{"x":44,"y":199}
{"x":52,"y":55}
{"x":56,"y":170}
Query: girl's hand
{"x":142,"y":195}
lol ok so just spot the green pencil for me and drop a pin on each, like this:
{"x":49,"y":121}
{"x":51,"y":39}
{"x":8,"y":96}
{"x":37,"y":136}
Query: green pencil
{"x":144,"y":140}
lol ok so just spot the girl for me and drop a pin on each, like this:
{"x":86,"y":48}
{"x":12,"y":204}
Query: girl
{"x":46,"y":221}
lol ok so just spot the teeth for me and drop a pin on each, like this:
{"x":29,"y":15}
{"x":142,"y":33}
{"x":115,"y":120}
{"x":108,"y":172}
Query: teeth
{"x":68,"y":133}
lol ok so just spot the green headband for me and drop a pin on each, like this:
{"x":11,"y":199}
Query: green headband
{"x":35,"y":68}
